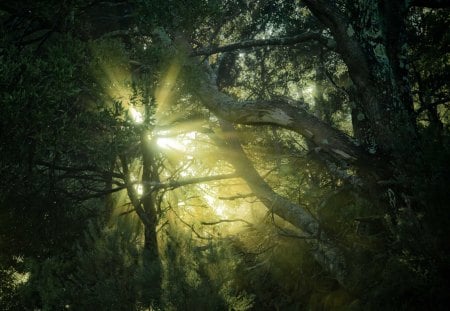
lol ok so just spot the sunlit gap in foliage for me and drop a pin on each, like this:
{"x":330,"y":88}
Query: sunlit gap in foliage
{"x":218,"y":206}
{"x":308,"y":93}
{"x":183,"y":145}
{"x":139,"y":188}
{"x":136,"y":115}
{"x":182,"y":142}
{"x":186,"y":144}
{"x":194,"y":151}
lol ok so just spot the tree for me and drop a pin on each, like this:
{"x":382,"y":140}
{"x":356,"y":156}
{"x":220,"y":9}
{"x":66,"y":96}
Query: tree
{"x":371,"y":40}
{"x":328,"y":110}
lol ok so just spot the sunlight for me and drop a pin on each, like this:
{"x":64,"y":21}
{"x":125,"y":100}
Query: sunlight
{"x":136,"y":115}
{"x":112,"y":71}
{"x":188,"y":171}
{"x":170,"y":143}
{"x":165,"y":90}
{"x":219,"y":209}
{"x":308,"y":93}
{"x":308,"y":90}
{"x":180,"y":142}
{"x":21,"y":278}
{"x":210,"y":196}
{"x":139,"y":189}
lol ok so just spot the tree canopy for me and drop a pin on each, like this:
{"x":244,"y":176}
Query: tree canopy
{"x":214,"y":155}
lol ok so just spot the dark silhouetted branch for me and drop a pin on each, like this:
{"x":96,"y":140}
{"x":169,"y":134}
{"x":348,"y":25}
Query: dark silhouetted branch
{"x":251,"y":44}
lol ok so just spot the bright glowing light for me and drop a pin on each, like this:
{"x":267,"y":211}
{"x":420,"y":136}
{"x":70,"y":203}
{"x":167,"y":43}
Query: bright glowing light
{"x":219,"y":209}
{"x":308,"y":91}
{"x":164,"y":92}
{"x":139,"y":189}
{"x":208,"y":198}
{"x":133,"y":177}
{"x":188,"y":171}
{"x":170,"y":143}
{"x":217,"y":206}
{"x":136,"y":115}
{"x":181,"y":142}
{"x":191,"y":135}
{"x":21,"y":278}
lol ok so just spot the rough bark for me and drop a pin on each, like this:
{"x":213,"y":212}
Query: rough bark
{"x":285,"y":113}
{"x":373,"y":55}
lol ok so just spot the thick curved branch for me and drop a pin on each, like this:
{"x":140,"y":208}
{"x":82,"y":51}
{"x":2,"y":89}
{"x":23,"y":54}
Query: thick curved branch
{"x":285,"y":113}
{"x":250,"y":44}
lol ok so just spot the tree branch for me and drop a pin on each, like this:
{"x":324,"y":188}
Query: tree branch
{"x":285,"y":113}
{"x":80,"y":169}
{"x":250,"y":44}
{"x":96,"y":193}
{"x":212,"y":223}
{"x":326,"y":253}
{"x":189,"y":181}
{"x":238,"y":196}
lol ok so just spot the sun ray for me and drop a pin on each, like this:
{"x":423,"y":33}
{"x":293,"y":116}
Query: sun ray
{"x":165,"y":91}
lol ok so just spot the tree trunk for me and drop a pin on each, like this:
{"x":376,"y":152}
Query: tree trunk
{"x":372,"y":44}
{"x":151,"y":259}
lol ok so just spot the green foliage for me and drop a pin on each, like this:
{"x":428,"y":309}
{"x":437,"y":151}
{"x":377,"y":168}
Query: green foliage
{"x":8,"y":290}
{"x":177,"y":15}
{"x":106,"y":267}
{"x":41,"y":98}
{"x":42,"y":121}
{"x":202,"y":275}
{"x":46,"y":288}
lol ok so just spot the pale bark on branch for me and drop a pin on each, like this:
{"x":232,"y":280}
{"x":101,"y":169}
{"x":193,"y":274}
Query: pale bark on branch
{"x":285,"y":113}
